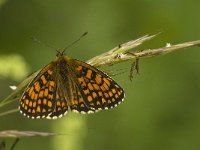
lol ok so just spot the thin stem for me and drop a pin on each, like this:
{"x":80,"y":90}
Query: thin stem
{"x":9,"y":112}
{"x":14,"y":144}
{"x":8,"y":102}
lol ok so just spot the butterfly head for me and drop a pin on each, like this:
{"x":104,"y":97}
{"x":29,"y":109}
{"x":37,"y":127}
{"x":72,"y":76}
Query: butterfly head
{"x":60,"y":53}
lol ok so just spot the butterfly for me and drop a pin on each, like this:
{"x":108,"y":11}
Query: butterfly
{"x":69,"y":84}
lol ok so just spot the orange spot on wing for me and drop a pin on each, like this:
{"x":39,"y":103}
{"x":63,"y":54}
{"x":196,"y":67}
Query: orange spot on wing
{"x":80,"y":100}
{"x":26,"y":101}
{"x":100,"y":93}
{"x":33,"y":95}
{"x":98,"y":79}
{"x":89,"y":98}
{"x":39,"y":101}
{"x":51,"y":88}
{"x":34,"y":104}
{"x":50,"y":96}
{"x":23,"y":105}
{"x":30,"y":91}
{"x":50,"y":72}
{"x":81,"y":79}
{"x":89,"y":73}
{"x":111,"y":94}
{"x":96,"y":87}
{"x":98,"y":103}
{"x":119,"y":92}
{"x":106,"y":81}
{"x":43,"y":79}
{"x":37,"y":86}
{"x":51,"y":83}
{"x":63,"y":104}
{"x":82,"y":105}
{"x":109,"y":102}
{"x":41,"y":94}
{"x":86,"y":92}
{"x":90,"y":86}
{"x":113,"y":100}
{"x":58,"y":103}
{"x":75,"y":102}
{"x":30,"y":104}
{"x":114,"y":91}
{"x":103,"y":101}
{"x":106,"y":86}
{"x":36,"y":96}
{"x":79,"y":68}
{"x":106,"y":95}
{"x":45,"y":101}
{"x":45,"y":92}
{"x":116,"y":95}
{"x":38,"y":109}
{"x":103,"y":88}
{"x":43,"y":110}
{"x":49,"y":103}
{"x":94,"y":95}
{"x":57,"y":96}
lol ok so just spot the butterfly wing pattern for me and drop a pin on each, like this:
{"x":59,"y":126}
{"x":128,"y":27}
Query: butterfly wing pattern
{"x":41,"y":99}
{"x":97,"y":91}
{"x":69,"y":83}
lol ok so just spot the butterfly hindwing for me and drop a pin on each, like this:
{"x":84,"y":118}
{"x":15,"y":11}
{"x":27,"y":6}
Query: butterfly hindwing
{"x":78,"y":103}
{"x":60,"y":108}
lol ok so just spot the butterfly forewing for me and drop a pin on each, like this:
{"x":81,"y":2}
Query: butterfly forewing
{"x":96,"y":89}
{"x":40,"y":99}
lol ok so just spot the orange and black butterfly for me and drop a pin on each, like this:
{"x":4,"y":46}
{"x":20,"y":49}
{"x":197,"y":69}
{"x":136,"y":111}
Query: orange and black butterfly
{"x":67,"y":83}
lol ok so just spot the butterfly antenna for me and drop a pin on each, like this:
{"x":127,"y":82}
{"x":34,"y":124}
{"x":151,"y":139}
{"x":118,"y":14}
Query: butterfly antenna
{"x":71,"y":44}
{"x":42,"y":43}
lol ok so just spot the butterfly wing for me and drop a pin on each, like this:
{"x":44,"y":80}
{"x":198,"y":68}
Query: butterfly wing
{"x":41,"y":99}
{"x":96,"y":90}
{"x":78,"y":104}
{"x":69,"y":82}
{"x":61,"y":106}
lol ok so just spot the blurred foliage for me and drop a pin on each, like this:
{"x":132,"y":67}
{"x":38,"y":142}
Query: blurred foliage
{"x":161,"y":108}
{"x":17,"y":72}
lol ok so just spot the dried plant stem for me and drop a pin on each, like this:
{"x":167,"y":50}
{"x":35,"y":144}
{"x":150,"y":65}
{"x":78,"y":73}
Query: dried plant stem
{"x":120,"y":53}
{"x":16,"y":133}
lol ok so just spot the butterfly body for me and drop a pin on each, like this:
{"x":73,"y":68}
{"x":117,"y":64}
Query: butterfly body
{"x":67,"y":83}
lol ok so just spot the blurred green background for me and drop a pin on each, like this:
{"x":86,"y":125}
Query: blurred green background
{"x":161,"y":108}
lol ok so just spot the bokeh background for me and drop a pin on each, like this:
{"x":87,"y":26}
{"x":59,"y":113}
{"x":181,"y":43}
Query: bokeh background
{"x":162,"y":105}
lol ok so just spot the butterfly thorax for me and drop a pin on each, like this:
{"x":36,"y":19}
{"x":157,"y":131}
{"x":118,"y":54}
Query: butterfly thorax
{"x":64,"y":76}
{"x":62,"y":66}
{"x":61,"y":61}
